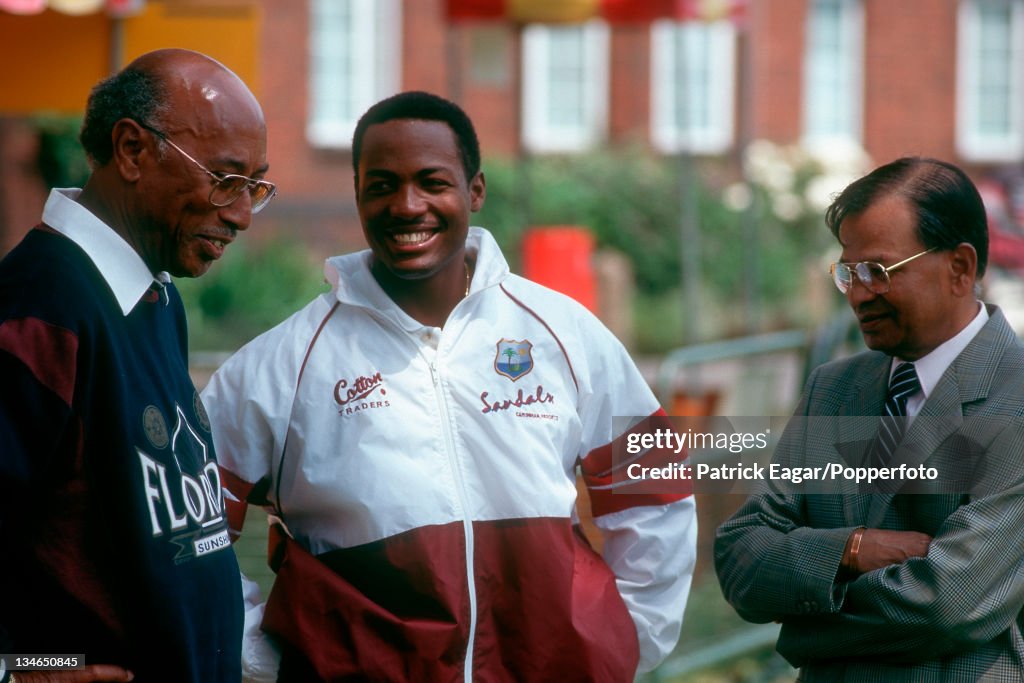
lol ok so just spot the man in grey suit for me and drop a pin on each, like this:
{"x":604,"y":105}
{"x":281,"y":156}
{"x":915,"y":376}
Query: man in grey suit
{"x":917,"y":581}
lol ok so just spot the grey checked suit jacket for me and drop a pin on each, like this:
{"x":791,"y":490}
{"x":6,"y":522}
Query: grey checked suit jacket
{"x":955,"y":615}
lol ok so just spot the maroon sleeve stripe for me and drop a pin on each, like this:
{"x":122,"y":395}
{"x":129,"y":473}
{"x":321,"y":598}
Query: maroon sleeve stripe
{"x":607,"y":501}
{"x":600,"y":461}
{"x":237,"y":504}
{"x":238,"y":487}
{"x":48,"y":351}
{"x":605,"y":472}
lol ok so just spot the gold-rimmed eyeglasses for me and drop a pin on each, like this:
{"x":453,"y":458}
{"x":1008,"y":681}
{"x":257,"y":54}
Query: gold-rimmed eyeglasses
{"x":874,"y":276}
{"x":227,"y":187}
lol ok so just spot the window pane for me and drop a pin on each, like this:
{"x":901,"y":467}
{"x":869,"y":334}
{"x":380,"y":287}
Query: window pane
{"x":331,"y":60}
{"x":566,"y":94}
{"x":832,"y":70}
{"x":348,"y":69}
{"x":990,"y":89}
{"x":994,"y":68}
{"x":564,"y":86}
{"x":693,"y":82}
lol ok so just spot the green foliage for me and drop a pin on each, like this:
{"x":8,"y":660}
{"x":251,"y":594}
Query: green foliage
{"x":753,"y":251}
{"x":62,"y":162}
{"x":658,"y":320}
{"x":626,"y":198}
{"x":247,"y":292}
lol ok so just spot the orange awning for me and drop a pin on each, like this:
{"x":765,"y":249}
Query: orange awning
{"x":70,"y":53}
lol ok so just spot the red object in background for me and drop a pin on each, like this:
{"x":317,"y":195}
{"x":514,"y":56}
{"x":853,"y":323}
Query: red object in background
{"x":462,"y":10}
{"x":559,"y":257}
{"x":1004,"y":206}
{"x":626,"y":11}
{"x":612,"y":11}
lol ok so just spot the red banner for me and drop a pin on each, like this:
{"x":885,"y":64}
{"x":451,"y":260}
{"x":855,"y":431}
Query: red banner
{"x":612,"y":11}
{"x":462,"y":10}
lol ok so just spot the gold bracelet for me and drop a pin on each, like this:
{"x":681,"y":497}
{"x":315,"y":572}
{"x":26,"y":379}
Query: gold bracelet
{"x":855,"y":540}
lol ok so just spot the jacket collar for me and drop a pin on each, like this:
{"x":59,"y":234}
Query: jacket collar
{"x":353,"y":284}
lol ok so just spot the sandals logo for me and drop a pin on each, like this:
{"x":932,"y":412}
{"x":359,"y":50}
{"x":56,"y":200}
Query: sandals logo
{"x":513,"y":358}
{"x":362,"y":394}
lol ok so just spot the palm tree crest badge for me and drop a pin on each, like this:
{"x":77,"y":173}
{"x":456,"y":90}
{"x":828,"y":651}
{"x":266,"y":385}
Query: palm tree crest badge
{"x":513,"y":359}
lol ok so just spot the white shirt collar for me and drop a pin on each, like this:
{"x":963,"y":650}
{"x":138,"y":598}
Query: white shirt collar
{"x":119,"y":264}
{"x":932,"y":366}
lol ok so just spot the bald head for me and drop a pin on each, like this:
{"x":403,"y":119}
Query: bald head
{"x":169,"y":138}
{"x":167,"y":88}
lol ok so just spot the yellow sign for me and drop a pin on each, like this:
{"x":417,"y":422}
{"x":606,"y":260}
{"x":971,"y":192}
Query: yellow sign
{"x":551,"y":11}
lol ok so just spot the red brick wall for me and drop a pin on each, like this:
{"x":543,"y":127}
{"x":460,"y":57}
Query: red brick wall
{"x":629,"y":116}
{"x":315,"y":186}
{"x":777,"y":42}
{"x":910,"y":69}
{"x":491,"y":99}
{"x":425,"y":43}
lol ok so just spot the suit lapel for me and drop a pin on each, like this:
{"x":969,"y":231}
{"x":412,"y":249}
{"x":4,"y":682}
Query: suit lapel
{"x":870,"y":386}
{"x":940,"y":417}
{"x":967,"y":380}
{"x":858,"y":426}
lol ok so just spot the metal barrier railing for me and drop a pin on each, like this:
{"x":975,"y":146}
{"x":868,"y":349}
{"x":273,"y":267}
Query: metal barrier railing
{"x":693,"y":356}
{"x":736,"y":645}
{"x":685,"y":370}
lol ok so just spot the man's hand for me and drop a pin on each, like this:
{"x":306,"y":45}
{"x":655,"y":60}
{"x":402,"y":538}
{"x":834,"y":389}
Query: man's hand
{"x":881,"y":548}
{"x":93,"y":673}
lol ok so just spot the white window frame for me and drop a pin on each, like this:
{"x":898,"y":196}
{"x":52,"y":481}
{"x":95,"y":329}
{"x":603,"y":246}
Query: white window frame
{"x":847,"y":96}
{"x":540,"y":133}
{"x":973,"y":143}
{"x":371,"y":45}
{"x":716,"y":93}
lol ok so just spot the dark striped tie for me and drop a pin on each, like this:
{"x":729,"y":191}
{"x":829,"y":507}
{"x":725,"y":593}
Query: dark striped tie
{"x":903,"y":385}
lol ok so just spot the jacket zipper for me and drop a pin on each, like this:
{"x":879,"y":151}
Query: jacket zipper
{"x":467,"y":522}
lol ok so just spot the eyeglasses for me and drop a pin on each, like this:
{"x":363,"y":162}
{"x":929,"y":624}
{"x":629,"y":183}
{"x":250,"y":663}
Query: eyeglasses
{"x":227,"y":187}
{"x":874,"y":276}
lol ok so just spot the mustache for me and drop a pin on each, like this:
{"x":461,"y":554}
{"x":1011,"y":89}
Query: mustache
{"x":871,"y":309}
{"x":224,"y":234}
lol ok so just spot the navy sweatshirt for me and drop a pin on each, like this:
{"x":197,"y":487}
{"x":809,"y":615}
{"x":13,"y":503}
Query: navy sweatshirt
{"x":113,"y":533}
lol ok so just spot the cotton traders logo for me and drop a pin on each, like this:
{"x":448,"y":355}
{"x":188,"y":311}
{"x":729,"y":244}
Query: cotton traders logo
{"x":362,"y":393}
{"x":184,"y":494}
{"x":513,"y":358}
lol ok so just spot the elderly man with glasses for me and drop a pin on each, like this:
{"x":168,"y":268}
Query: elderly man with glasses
{"x":113,"y":532}
{"x":913,"y":580}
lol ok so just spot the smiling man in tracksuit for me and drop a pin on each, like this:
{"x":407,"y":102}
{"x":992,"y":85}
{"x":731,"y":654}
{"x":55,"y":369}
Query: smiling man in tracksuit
{"x":433,"y":440}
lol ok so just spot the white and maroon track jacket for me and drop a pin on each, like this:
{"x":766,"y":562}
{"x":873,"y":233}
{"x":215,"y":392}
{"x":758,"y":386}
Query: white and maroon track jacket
{"x":436,"y":469}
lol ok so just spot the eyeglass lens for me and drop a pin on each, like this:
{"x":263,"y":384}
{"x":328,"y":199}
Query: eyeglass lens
{"x":871,"y":275}
{"x":230,"y":187}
